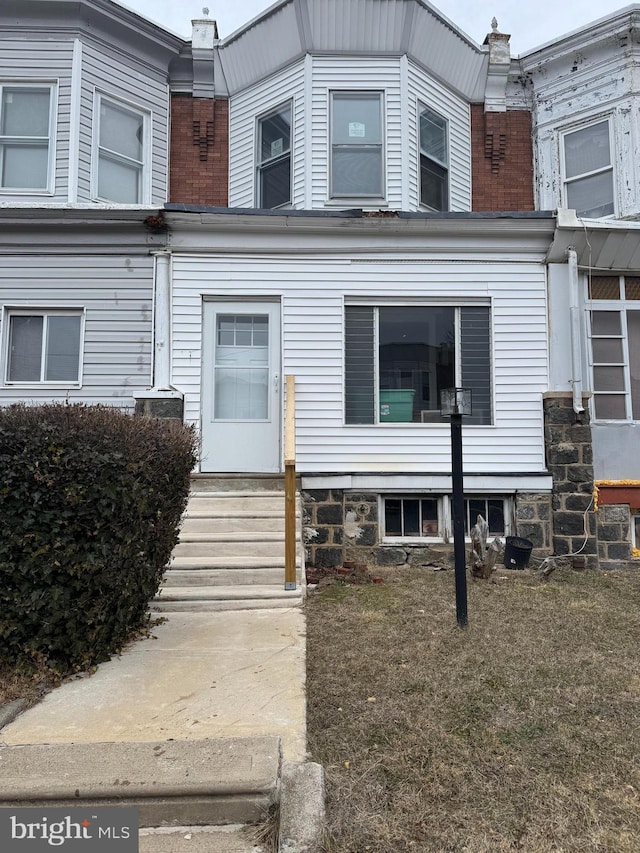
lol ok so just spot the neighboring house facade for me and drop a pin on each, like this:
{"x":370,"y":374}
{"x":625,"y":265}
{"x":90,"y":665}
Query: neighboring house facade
{"x":84,"y":133}
{"x":583,"y":94}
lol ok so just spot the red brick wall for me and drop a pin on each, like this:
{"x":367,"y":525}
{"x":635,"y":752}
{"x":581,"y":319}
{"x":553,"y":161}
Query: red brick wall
{"x":199,"y":153}
{"x":501,"y":160}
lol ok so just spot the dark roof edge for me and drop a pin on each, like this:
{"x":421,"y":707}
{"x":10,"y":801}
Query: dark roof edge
{"x":359,"y":213}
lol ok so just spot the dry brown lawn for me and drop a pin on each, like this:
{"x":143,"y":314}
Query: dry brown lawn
{"x":520,"y":733}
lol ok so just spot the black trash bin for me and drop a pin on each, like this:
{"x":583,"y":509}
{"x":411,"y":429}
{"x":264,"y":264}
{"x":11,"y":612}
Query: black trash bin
{"x":517,"y":552}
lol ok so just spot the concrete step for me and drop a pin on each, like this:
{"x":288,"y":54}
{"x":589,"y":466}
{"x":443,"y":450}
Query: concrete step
{"x":199,"y":839}
{"x":171,"y":783}
{"x":222,"y":562}
{"x":236,"y":597}
{"x":223,"y":577}
{"x":265,"y":548}
{"x":236,"y":501}
{"x":234,"y":522}
{"x":238,"y":482}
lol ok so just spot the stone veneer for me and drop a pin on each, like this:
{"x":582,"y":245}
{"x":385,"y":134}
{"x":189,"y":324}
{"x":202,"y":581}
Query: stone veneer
{"x":340,"y":525}
{"x":614,"y":545}
{"x":570,"y":462}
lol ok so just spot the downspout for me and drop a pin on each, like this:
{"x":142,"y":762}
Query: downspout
{"x":574,"y":317}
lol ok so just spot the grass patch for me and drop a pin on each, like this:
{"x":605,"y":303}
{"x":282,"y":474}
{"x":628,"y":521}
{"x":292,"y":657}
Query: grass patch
{"x":519,"y":733}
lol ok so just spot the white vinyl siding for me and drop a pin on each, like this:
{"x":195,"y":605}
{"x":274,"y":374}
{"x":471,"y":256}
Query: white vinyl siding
{"x":43,"y":64}
{"x":136,"y":87}
{"x":115,"y":294}
{"x":424,"y":91}
{"x":313,"y":291}
{"x":244,"y":109}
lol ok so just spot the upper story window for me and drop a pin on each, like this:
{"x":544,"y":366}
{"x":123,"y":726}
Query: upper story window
{"x":26,"y":133}
{"x":399,"y":358}
{"x":588,"y":170}
{"x":615,"y":347}
{"x":356,"y":145}
{"x":274,"y":158}
{"x":434,"y":160}
{"x":43,"y":346}
{"x":120,"y":156}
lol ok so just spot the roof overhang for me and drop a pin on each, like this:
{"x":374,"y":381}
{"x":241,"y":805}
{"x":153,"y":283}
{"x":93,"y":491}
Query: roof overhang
{"x":601,"y":245}
{"x":238,"y":230}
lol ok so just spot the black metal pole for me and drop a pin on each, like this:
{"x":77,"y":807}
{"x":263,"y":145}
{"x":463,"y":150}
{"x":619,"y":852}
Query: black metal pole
{"x":458,"y":520}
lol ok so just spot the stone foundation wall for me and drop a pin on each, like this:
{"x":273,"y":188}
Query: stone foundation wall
{"x":569,"y":452}
{"x":339,"y":526}
{"x":614,"y":545}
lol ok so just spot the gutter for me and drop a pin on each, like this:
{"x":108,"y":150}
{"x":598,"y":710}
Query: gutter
{"x":574,"y":316}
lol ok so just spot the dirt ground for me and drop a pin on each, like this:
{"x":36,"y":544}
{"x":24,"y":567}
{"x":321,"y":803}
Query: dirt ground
{"x":519,"y":733}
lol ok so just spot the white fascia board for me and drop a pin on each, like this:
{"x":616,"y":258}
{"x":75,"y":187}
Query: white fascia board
{"x":429,"y":483}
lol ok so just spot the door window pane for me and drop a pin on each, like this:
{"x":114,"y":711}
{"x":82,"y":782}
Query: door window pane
{"x":241,"y":367}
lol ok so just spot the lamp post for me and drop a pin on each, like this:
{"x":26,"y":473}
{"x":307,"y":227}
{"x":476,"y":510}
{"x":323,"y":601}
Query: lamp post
{"x":454,"y":403}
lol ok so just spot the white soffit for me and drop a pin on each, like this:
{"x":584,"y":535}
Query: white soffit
{"x":610,"y":245}
{"x":358,"y":27}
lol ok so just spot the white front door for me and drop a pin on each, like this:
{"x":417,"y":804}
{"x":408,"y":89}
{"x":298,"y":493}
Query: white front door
{"x":241,"y":387}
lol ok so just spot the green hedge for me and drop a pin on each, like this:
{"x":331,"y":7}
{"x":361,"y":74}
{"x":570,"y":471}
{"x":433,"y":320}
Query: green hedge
{"x":90,"y":506}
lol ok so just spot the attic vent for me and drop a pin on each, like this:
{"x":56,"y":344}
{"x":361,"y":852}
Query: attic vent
{"x":203,"y":140}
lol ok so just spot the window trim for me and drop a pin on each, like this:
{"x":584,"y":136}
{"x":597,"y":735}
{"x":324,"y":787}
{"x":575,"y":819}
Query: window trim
{"x":445,"y":517}
{"x":260,"y":164}
{"x":332,"y":196}
{"x":421,"y":107}
{"x":9,"y":311}
{"x":567,"y":131}
{"x":621,"y":307}
{"x":52,"y":85}
{"x":147,"y":147}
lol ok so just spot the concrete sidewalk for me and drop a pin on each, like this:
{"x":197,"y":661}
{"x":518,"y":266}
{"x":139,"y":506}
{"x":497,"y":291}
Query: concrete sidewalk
{"x":204,"y":675}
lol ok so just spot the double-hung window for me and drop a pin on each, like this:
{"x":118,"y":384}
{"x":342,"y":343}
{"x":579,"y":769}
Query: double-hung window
{"x":399,"y":358}
{"x":274,"y":158}
{"x":434,"y":160}
{"x":120,"y":153}
{"x":615,"y":347}
{"x":43,"y":346}
{"x":356,"y":145}
{"x":26,"y":133}
{"x":588,"y":170}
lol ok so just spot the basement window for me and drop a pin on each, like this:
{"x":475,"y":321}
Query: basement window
{"x":430,"y":517}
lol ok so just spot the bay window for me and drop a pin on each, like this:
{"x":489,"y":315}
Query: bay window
{"x":356,"y":145}
{"x":399,"y":358}
{"x":26,"y":121}
{"x":120,"y":153}
{"x":274,"y":158}
{"x":434,"y":161}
